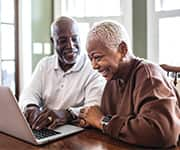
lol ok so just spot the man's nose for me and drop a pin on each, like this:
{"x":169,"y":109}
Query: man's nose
{"x":70,"y":43}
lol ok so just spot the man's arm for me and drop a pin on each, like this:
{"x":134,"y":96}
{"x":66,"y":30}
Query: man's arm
{"x":32,"y":93}
{"x":93,"y":88}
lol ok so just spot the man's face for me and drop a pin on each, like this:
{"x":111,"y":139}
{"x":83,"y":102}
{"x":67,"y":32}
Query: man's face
{"x":106,"y":61}
{"x":66,"y":42}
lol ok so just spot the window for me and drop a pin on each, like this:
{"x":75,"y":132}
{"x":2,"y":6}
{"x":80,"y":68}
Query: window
{"x":91,"y":8}
{"x":8,"y":45}
{"x":169,"y":45}
{"x":164,"y":5}
{"x":87,"y":12}
{"x":163,"y":31}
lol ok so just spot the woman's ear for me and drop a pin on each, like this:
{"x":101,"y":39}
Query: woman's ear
{"x":123,"y":48}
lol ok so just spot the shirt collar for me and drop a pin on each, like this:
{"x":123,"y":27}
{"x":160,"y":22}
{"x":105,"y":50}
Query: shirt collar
{"x":128,"y":72}
{"x":76,"y":67}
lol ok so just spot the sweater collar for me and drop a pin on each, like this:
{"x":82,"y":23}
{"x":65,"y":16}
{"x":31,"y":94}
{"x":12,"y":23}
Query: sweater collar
{"x":123,"y":74}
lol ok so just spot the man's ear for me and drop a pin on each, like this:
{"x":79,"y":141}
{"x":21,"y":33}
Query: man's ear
{"x":123,"y":48}
{"x":52,"y":41}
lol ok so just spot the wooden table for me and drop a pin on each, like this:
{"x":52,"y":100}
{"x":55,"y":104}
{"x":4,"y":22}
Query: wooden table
{"x":90,"y":139}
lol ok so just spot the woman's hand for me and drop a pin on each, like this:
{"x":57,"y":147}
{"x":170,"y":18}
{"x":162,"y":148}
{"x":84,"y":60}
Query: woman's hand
{"x":92,"y":115}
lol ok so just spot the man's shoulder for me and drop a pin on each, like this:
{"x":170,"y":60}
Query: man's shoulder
{"x":48,"y":58}
{"x":47,"y":61}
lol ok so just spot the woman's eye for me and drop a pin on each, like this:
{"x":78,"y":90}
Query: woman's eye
{"x":97,"y":58}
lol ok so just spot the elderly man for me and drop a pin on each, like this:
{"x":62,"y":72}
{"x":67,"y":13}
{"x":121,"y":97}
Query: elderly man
{"x":139,"y":105}
{"x":63,"y":83}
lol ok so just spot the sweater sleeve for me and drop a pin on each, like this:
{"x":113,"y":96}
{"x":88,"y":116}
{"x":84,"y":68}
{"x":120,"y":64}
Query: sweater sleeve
{"x":156,"y":118}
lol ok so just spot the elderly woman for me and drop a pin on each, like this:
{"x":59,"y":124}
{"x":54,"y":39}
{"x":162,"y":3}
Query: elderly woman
{"x":139,"y":105}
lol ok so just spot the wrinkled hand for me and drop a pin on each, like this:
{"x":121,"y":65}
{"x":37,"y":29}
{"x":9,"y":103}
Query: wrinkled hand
{"x":31,"y":113}
{"x":83,"y":123}
{"x":48,"y":118}
{"x":92,"y":115}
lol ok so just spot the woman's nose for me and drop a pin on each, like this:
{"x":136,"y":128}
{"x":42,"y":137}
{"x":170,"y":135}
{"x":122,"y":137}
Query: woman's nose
{"x":94,"y":64}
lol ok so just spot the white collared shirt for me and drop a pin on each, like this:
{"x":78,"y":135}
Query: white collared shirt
{"x":56,"y":89}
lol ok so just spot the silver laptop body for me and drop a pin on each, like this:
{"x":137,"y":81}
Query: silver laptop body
{"x":14,"y":123}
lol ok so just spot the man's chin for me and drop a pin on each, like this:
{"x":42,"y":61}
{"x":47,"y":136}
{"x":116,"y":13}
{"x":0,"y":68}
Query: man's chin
{"x":107,"y":77}
{"x":70,"y":63}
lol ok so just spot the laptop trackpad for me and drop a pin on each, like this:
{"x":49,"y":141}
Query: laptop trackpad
{"x":68,"y":129}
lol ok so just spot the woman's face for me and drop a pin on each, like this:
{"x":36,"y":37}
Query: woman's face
{"x":105,"y":60}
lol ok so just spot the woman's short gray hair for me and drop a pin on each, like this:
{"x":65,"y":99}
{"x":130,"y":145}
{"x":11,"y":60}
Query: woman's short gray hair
{"x":110,"y":33}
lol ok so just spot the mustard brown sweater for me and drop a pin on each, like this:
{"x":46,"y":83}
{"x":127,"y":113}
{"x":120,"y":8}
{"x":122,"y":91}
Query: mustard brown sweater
{"x":144,"y":105}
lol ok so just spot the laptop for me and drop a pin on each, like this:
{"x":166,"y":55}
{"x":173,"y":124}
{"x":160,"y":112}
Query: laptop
{"x":14,"y":123}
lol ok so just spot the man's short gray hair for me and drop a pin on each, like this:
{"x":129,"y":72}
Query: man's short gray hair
{"x":110,"y":33}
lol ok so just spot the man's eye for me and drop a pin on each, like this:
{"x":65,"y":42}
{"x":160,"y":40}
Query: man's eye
{"x":62,"y":41}
{"x":75,"y":39}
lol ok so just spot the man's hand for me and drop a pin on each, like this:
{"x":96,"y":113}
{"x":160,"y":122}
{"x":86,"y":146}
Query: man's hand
{"x":92,"y":115}
{"x":46,"y":118}
{"x":51,"y":118}
{"x":31,"y":113}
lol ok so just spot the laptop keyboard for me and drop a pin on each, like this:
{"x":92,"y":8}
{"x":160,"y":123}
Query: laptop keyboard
{"x":43,"y":133}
